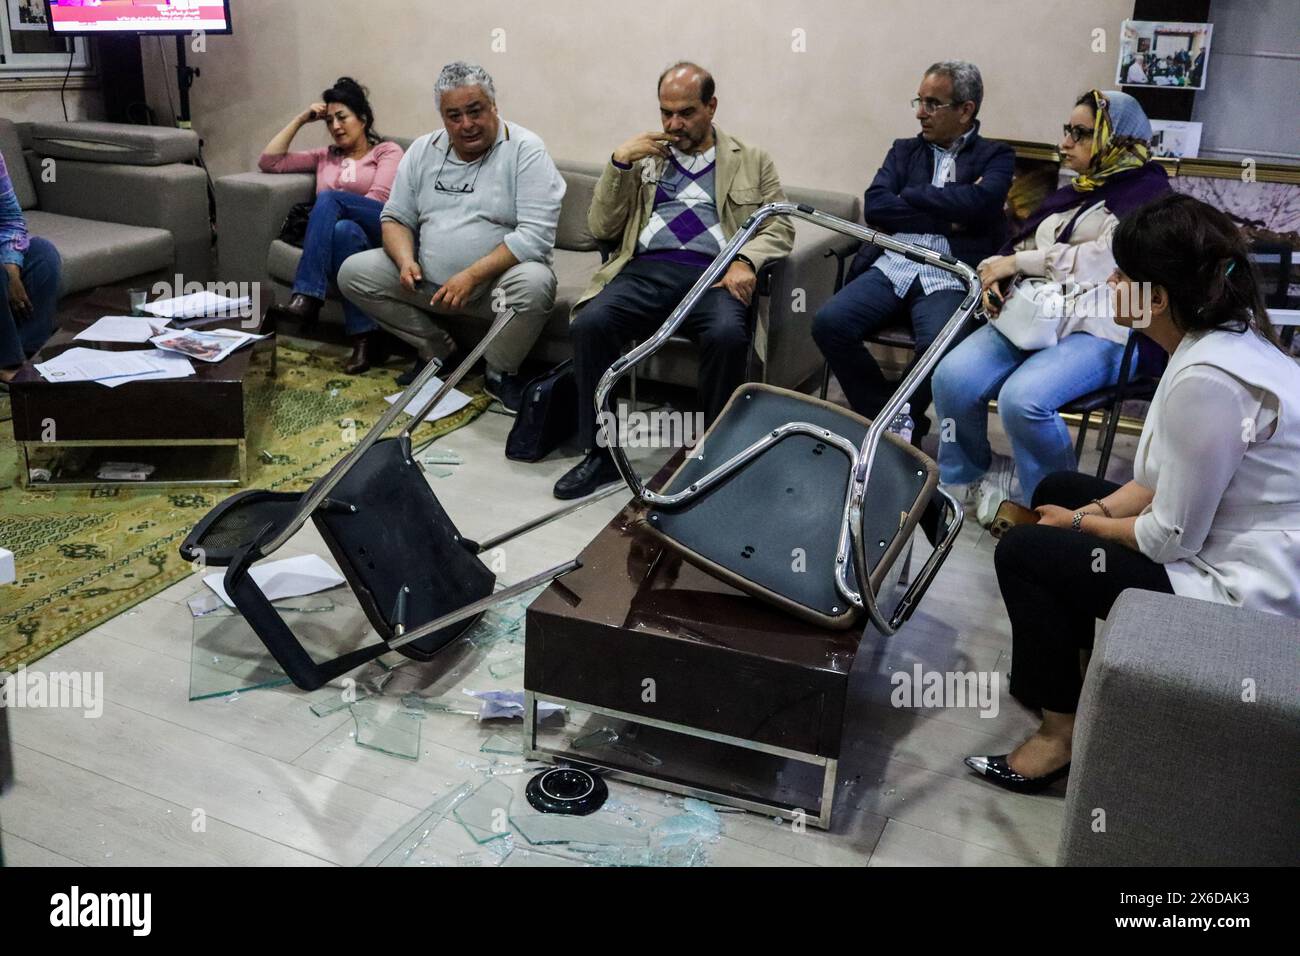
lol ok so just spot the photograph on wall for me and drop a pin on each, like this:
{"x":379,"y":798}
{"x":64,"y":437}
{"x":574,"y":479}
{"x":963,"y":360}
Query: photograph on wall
{"x":1175,"y":139}
{"x":28,"y":15}
{"x":1163,"y":54}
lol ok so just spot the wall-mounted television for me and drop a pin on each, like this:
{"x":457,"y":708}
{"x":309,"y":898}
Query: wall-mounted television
{"x":91,"y":17}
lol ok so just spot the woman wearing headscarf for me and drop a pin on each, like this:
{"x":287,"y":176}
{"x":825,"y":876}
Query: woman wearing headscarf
{"x":1067,"y":241}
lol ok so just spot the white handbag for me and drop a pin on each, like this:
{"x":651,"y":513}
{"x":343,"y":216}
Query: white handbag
{"x":1031,"y":316}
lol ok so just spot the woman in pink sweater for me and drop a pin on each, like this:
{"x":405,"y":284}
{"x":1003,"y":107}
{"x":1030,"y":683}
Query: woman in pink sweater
{"x":353,"y":179}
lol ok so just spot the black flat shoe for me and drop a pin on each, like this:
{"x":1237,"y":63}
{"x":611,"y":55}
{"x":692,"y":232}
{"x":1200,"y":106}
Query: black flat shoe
{"x":586,"y":476}
{"x":997,"y":770}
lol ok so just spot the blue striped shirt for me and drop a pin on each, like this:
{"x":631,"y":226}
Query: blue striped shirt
{"x":901,"y":271}
{"x":13,"y":224}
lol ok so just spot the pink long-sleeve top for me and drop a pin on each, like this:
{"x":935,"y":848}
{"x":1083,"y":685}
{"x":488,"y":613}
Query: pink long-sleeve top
{"x":371,"y":176}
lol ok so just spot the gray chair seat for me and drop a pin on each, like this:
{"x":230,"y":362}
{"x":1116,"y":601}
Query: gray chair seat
{"x":97,"y":253}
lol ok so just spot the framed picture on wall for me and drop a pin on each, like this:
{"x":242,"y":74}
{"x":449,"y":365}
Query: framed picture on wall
{"x":1153,"y":53}
{"x":1175,"y":139}
{"x":28,"y":15}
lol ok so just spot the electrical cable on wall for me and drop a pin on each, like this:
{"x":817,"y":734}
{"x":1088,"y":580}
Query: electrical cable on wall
{"x":72,"y":55}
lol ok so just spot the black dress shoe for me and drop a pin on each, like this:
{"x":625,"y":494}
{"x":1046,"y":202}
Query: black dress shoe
{"x":586,"y":476}
{"x":302,"y":309}
{"x":997,"y":770}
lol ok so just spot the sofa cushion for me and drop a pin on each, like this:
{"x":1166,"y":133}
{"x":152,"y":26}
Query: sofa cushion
{"x":11,"y":145}
{"x":114,"y":143}
{"x":282,"y":261}
{"x":573,"y":271}
{"x":96,"y":253}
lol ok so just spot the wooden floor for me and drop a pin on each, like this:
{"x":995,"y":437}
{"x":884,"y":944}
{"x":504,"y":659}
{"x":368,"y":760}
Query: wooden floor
{"x":275,"y":784}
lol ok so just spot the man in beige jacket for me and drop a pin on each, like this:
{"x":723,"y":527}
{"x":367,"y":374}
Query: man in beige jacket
{"x":673,"y":198}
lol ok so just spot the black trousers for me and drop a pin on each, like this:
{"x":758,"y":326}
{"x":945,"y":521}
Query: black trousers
{"x":634,"y":304}
{"x":1056,"y":583}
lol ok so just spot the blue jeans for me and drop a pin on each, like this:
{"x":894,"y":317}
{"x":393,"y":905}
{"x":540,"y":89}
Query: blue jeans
{"x":866,"y":305}
{"x":341,"y":224}
{"x":1030,"y":387}
{"x":22,"y":338}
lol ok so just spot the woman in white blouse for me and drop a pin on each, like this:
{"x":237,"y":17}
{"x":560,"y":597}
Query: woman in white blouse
{"x":1213,"y":511}
{"x":1065,"y":241}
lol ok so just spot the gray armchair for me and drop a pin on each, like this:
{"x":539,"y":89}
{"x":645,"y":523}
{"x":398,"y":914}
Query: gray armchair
{"x":119,"y":202}
{"x":1174,"y":764}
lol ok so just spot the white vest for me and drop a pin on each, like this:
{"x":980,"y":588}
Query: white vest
{"x":1251,"y":556}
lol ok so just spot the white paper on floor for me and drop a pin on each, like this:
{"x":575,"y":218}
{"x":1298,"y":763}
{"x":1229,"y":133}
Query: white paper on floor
{"x":451,"y":403}
{"x":289,"y":577}
{"x":509,"y":703}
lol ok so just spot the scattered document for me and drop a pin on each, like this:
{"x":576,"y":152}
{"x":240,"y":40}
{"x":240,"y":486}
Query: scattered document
{"x":451,"y":403}
{"x":508,"y":704}
{"x":123,"y":328}
{"x":290,"y":577}
{"x":112,"y":368}
{"x":198,"y":304}
{"x":211,"y":346}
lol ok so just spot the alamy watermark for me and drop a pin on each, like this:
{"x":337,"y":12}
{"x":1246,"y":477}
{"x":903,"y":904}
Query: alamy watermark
{"x":920,"y":688}
{"x":72,"y":690}
{"x":658,"y":428}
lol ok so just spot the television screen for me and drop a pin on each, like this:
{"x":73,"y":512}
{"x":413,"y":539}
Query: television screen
{"x":139,"y":16}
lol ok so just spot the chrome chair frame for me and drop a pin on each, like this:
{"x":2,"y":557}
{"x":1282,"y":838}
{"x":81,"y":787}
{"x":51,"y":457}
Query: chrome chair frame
{"x":856,"y":590}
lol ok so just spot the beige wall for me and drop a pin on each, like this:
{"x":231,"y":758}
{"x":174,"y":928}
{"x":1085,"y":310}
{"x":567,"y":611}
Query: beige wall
{"x":581,"y":72}
{"x":26,"y":105}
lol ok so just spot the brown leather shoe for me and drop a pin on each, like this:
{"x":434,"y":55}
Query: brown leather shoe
{"x":367,"y":350}
{"x":302,"y":309}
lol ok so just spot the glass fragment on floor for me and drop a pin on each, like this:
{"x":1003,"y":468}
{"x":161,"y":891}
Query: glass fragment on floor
{"x":391,"y":730}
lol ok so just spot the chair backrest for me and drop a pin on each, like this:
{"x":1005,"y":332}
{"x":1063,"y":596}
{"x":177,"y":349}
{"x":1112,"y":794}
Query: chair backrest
{"x":580,"y":185}
{"x":11,"y":145}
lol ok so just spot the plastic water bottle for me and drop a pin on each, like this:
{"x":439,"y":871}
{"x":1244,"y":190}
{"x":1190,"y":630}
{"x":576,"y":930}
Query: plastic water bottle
{"x":902,"y":424}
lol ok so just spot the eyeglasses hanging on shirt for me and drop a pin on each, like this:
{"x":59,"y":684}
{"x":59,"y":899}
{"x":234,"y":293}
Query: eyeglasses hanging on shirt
{"x":678,"y":171}
{"x":466,"y":188}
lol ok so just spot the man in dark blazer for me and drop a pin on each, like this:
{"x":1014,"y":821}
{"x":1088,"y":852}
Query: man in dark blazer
{"x":943,"y":189}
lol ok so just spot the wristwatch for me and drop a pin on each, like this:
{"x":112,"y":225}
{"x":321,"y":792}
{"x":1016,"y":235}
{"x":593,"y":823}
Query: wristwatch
{"x":1076,"y":523}
{"x":746,"y":260}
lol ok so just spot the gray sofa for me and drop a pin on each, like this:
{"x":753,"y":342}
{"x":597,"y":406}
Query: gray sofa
{"x":119,"y":202}
{"x":251,"y":208}
{"x":1185,"y":771}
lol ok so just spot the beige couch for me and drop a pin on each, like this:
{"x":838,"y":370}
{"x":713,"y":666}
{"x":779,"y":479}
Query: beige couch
{"x":251,"y":208}
{"x":119,"y":202}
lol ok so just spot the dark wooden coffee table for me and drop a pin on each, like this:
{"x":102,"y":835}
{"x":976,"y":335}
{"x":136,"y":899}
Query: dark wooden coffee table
{"x":712,"y":692}
{"x":194,"y":430}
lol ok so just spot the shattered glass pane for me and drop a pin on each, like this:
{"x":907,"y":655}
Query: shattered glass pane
{"x":389,"y":729}
{"x":501,"y":744}
{"x":330,"y":700}
{"x":506,"y":668}
{"x":440,"y":456}
{"x":409,"y":846}
{"x":485,"y":814}
{"x":449,"y":704}
{"x":540,"y":829}
{"x":226,"y":655}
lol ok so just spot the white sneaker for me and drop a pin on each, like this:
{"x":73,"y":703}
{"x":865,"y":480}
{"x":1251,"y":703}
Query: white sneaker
{"x":994,"y":488}
{"x":966,"y":494}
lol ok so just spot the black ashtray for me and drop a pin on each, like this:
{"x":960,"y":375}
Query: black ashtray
{"x":566,"y":790}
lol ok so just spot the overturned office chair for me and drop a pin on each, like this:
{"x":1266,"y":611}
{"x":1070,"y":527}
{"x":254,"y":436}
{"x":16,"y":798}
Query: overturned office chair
{"x":791,"y":499}
{"x":420,"y":582}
